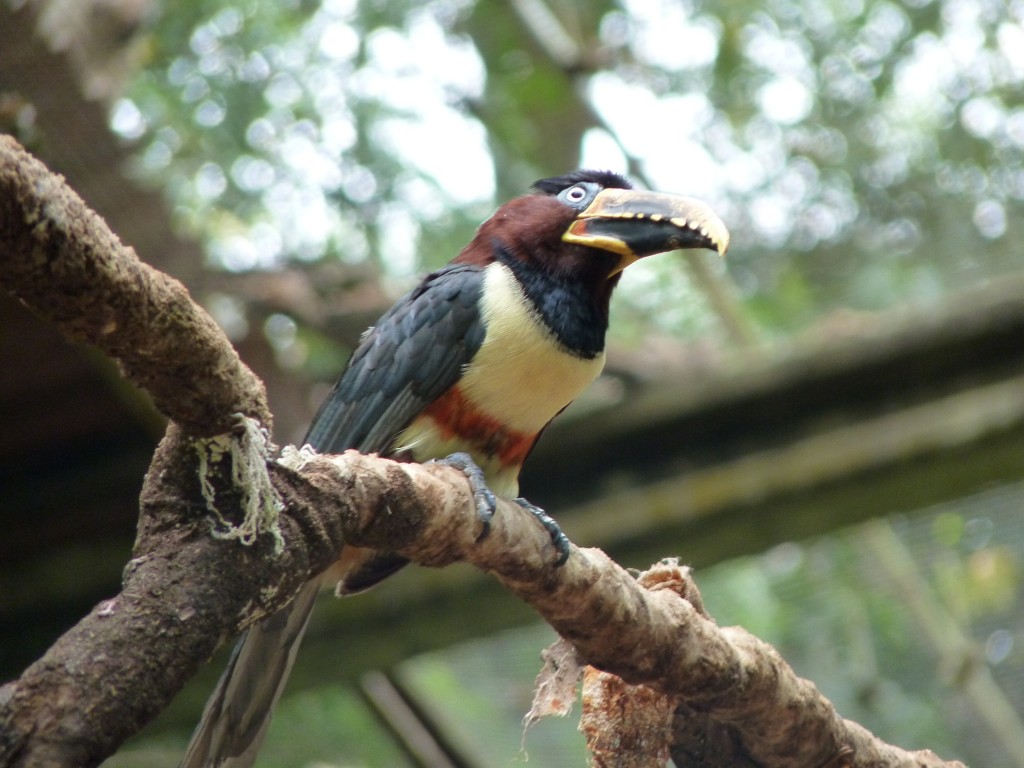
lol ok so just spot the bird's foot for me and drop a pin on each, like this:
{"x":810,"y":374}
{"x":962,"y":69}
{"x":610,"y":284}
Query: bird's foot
{"x":559,"y":539}
{"x":486,"y":503}
{"x":482,"y":495}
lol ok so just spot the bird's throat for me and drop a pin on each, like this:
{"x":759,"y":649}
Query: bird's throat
{"x":574,"y":311}
{"x":523,"y":374}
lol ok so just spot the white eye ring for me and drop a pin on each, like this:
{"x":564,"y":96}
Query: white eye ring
{"x":576,"y":194}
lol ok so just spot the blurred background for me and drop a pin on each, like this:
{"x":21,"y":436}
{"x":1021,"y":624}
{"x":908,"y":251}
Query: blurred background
{"x":829,"y":424}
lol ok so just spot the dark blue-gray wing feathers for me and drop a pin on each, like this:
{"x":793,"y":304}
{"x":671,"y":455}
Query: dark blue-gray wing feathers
{"x":416,"y":351}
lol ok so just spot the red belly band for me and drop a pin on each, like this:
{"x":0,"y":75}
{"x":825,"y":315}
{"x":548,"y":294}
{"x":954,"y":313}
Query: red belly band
{"x":456,"y":417}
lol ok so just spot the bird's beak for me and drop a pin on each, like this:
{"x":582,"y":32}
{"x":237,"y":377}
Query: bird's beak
{"x":634,"y":223}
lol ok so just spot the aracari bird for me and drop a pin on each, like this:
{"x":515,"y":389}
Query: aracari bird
{"x":475,"y":361}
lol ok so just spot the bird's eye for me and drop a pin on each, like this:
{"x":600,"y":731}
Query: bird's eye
{"x":576,"y":194}
{"x":579,"y":195}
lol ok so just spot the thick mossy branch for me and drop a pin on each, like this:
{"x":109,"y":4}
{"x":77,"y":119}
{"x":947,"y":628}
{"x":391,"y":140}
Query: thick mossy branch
{"x":62,"y":260}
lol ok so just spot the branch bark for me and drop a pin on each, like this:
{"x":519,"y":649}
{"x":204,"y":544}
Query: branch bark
{"x":62,"y":260}
{"x":186,"y":592}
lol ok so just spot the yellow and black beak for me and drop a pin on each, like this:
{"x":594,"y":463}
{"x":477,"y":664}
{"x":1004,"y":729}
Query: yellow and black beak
{"x":634,"y":223}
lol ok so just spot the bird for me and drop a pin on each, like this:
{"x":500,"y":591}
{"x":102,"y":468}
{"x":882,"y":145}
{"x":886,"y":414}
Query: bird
{"x":469,"y":368}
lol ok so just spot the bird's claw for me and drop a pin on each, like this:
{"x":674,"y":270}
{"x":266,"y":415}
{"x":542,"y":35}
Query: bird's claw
{"x":483,"y":497}
{"x":559,"y":539}
{"x":486,"y":503}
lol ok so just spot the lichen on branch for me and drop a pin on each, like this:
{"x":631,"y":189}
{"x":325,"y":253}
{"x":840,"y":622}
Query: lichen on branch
{"x":246,"y":449}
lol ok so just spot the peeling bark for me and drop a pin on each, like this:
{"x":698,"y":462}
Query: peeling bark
{"x":626,"y":726}
{"x":186,"y":592}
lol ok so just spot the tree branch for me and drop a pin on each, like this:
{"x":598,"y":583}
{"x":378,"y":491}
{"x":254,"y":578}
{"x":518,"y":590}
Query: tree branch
{"x":186,"y":592}
{"x":62,"y":260}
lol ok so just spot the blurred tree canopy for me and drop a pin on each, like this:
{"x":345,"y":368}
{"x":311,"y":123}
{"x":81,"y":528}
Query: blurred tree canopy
{"x":866,"y":154}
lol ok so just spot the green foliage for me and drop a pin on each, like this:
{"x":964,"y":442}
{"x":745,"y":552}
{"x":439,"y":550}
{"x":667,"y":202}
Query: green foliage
{"x":841,"y":618}
{"x":328,"y":726}
{"x":865,"y":153}
{"x":279,"y":129}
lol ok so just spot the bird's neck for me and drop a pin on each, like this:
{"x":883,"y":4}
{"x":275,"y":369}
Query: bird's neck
{"x":573,"y":308}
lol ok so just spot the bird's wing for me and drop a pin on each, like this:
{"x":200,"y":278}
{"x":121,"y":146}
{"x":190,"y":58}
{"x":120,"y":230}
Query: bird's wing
{"x":414,"y":353}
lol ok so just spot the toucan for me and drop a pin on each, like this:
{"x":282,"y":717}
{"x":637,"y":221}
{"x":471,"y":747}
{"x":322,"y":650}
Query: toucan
{"x":468,"y":367}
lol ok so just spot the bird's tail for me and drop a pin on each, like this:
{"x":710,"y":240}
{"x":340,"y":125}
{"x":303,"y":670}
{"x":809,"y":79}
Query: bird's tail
{"x":237,"y":715}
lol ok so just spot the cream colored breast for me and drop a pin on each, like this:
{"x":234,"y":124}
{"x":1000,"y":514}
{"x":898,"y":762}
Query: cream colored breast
{"x":521,"y":375}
